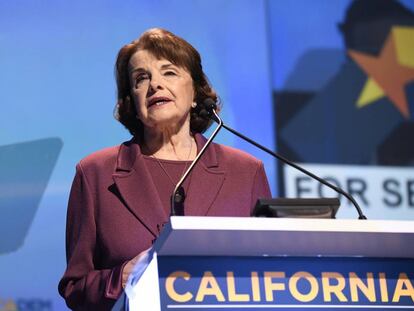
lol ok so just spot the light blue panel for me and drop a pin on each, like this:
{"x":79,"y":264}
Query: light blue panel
{"x":56,"y":80}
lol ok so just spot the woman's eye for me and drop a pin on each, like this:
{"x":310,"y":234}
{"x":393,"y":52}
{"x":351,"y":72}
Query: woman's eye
{"x":170,"y":73}
{"x":141,"y":77}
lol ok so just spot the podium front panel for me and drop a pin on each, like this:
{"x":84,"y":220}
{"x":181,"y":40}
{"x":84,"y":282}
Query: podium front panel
{"x":285,"y":283}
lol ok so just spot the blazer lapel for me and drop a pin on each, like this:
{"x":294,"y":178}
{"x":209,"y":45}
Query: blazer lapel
{"x":136,"y":187}
{"x":205,"y":181}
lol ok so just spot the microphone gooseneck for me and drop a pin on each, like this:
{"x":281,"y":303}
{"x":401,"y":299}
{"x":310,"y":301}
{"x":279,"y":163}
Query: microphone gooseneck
{"x":178,"y":195}
{"x":211,"y":106}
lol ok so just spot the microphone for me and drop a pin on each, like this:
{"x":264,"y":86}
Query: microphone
{"x":211,"y":113}
{"x":178,"y":195}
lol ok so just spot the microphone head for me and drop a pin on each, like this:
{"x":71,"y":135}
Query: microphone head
{"x":210,"y":105}
{"x":207,"y":112}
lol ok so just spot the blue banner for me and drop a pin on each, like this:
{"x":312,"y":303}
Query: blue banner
{"x":286,"y":283}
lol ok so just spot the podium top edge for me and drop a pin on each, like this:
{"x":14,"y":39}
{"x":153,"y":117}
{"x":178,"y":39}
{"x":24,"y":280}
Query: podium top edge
{"x":290,"y":224}
{"x":244,"y":236}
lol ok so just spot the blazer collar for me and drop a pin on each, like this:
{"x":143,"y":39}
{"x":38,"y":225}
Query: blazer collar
{"x":137,"y":189}
{"x":205,"y":181}
{"x":209,"y":158}
{"x":128,"y":153}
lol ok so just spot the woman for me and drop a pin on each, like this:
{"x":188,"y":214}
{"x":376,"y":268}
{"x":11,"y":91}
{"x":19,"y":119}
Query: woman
{"x":120,"y":197}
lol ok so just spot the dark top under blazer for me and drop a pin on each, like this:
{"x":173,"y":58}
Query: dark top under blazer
{"x":114,"y":212}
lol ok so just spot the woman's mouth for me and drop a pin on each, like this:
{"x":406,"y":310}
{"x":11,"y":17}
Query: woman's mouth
{"x":158,"y":101}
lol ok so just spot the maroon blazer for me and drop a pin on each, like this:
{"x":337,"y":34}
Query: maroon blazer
{"x":114,"y":212}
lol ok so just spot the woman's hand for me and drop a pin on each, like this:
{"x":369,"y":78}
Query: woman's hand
{"x":129,"y":267}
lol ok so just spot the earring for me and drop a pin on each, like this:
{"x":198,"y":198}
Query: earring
{"x":193,"y":104}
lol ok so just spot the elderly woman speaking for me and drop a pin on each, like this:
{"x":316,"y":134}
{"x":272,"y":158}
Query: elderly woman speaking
{"x":120,"y":196}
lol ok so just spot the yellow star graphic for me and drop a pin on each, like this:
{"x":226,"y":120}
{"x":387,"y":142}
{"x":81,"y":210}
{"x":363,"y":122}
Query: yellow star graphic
{"x":390,"y":71}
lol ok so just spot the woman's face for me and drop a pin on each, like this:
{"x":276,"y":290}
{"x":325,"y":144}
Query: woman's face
{"x":162,"y":92}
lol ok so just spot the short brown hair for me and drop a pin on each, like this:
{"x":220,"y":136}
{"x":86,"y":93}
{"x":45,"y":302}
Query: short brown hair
{"x":163,"y":45}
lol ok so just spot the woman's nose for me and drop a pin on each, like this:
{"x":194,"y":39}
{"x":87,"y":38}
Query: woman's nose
{"x":155,"y":83}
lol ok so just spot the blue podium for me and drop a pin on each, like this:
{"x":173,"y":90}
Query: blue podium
{"x":229,"y":263}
